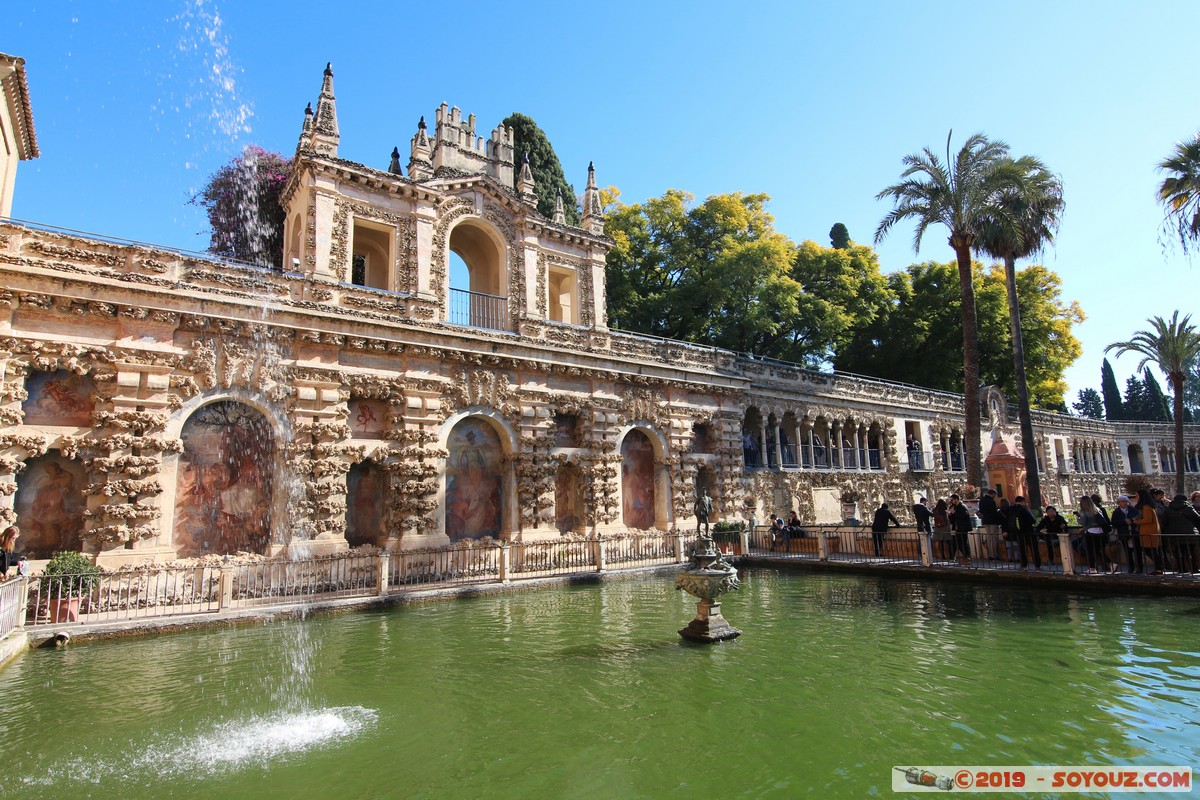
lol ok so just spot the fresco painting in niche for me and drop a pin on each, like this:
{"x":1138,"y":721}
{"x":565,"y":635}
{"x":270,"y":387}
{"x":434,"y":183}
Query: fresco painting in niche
{"x":367,"y":418}
{"x":49,"y":505}
{"x":566,"y":500}
{"x":637,"y":481}
{"x":223,"y":495}
{"x":566,"y":430}
{"x":59,"y":398}
{"x":473,"y":485}
{"x":364,"y":511}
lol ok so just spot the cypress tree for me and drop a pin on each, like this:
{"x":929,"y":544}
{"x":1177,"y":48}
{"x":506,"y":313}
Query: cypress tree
{"x":1159,"y":406}
{"x":1137,"y":401}
{"x":1113,"y":407}
{"x":547,"y":170}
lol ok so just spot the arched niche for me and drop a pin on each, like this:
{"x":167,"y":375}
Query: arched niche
{"x":477,"y":489}
{"x":645,"y":482}
{"x":568,"y":499}
{"x":224,"y":481}
{"x":50,"y":505}
{"x":366,"y":485}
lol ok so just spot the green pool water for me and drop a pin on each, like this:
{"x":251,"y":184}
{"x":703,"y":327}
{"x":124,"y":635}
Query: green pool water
{"x":587,"y":691}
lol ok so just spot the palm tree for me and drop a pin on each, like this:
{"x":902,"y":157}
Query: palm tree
{"x":957,"y":194}
{"x":1173,"y":346}
{"x":1035,"y":206}
{"x":1180,"y":193}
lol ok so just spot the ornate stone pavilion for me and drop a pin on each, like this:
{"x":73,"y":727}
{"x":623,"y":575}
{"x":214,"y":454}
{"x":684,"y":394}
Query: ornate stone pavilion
{"x":158,"y":404}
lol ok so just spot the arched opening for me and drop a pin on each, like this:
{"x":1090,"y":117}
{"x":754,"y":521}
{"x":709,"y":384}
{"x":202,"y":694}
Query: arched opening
{"x":637,"y":481}
{"x":291,"y":259}
{"x":50,"y":505}
{"x":568,"y":500}
{"x":788,"y":438}
{"x":875,"y":446}
{"x":474,"y":486}
{"x":561,"y":291}
{"x":819,"y":435}
{"x":752,"y":439}
{"x":481,"y":302}
{"x":772,"y":432}
{"x":1135,"y":459}
{"x":365,"y":484}
{"x":223,"y":490}
{"x":371,"y":254}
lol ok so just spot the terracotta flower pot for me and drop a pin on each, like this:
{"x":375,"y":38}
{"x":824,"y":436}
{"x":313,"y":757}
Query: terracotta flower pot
{"x":64,"y":609}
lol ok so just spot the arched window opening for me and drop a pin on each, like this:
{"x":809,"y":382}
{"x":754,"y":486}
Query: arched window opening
{"x":1135,"y":459}
{"x":481,"y":303}
{"x":752,"y":456}
{"x":371,"y":255}
{"x":291,"y":260}
{"x":561,"y":290}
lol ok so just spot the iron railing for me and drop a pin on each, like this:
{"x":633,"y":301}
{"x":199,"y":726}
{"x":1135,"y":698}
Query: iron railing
{"x":478,"y":310}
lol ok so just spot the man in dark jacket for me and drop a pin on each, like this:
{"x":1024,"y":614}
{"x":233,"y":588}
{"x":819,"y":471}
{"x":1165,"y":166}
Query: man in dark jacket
{"x":923,"y":515}
{"x":1179,"y":524}
{"x":1025,"y":528}
{"x":879,"y":526}
{"x":990,"y":519}
{"x":961,"y":524}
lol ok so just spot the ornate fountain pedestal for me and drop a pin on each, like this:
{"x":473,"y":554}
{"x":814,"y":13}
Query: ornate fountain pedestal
{"x":708,"y":577}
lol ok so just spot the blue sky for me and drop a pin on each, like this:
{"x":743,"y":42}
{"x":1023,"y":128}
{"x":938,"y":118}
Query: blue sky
{"x":815,"y":104}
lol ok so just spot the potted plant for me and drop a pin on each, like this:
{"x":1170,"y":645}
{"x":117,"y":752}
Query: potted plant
{"x":728,"y":536}
{"x":850,"y":498}
{"x":67,"y":577}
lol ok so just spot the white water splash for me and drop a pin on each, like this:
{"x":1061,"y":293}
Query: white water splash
{"x":228,"y":747}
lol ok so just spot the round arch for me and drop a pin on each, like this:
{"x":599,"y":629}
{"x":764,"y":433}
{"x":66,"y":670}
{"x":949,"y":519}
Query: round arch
{"x":483,"y":249}
{"x":645,"y":485}
{"x":477,"y":491}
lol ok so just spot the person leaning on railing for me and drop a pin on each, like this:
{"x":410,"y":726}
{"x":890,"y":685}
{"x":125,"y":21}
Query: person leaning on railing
{"x":1179,"y":523}
{"x":1051,"y":525}
{"x":1149,"y":530}
{"x":1131,"y":546}
{"x":8,"y":544}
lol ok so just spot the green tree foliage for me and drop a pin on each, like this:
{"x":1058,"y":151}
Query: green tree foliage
{"x":1137,"y":402}
{"x":839,"y":236}
{"x":1113,"y":407}
{"x":915,"y":336}
{"x":841,"y":288}
{"x":548,"y":176}
{"x":1179,"y":193}
{"x":1158,"y":408}
{"x":1089,"y":404}
{"x":1173,"y":345}
{"x":716,"y":273}
{"x":242,"y":202}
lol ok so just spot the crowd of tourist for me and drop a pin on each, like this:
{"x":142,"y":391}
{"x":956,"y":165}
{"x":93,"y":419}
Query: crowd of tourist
{"x":1141,"y":534}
